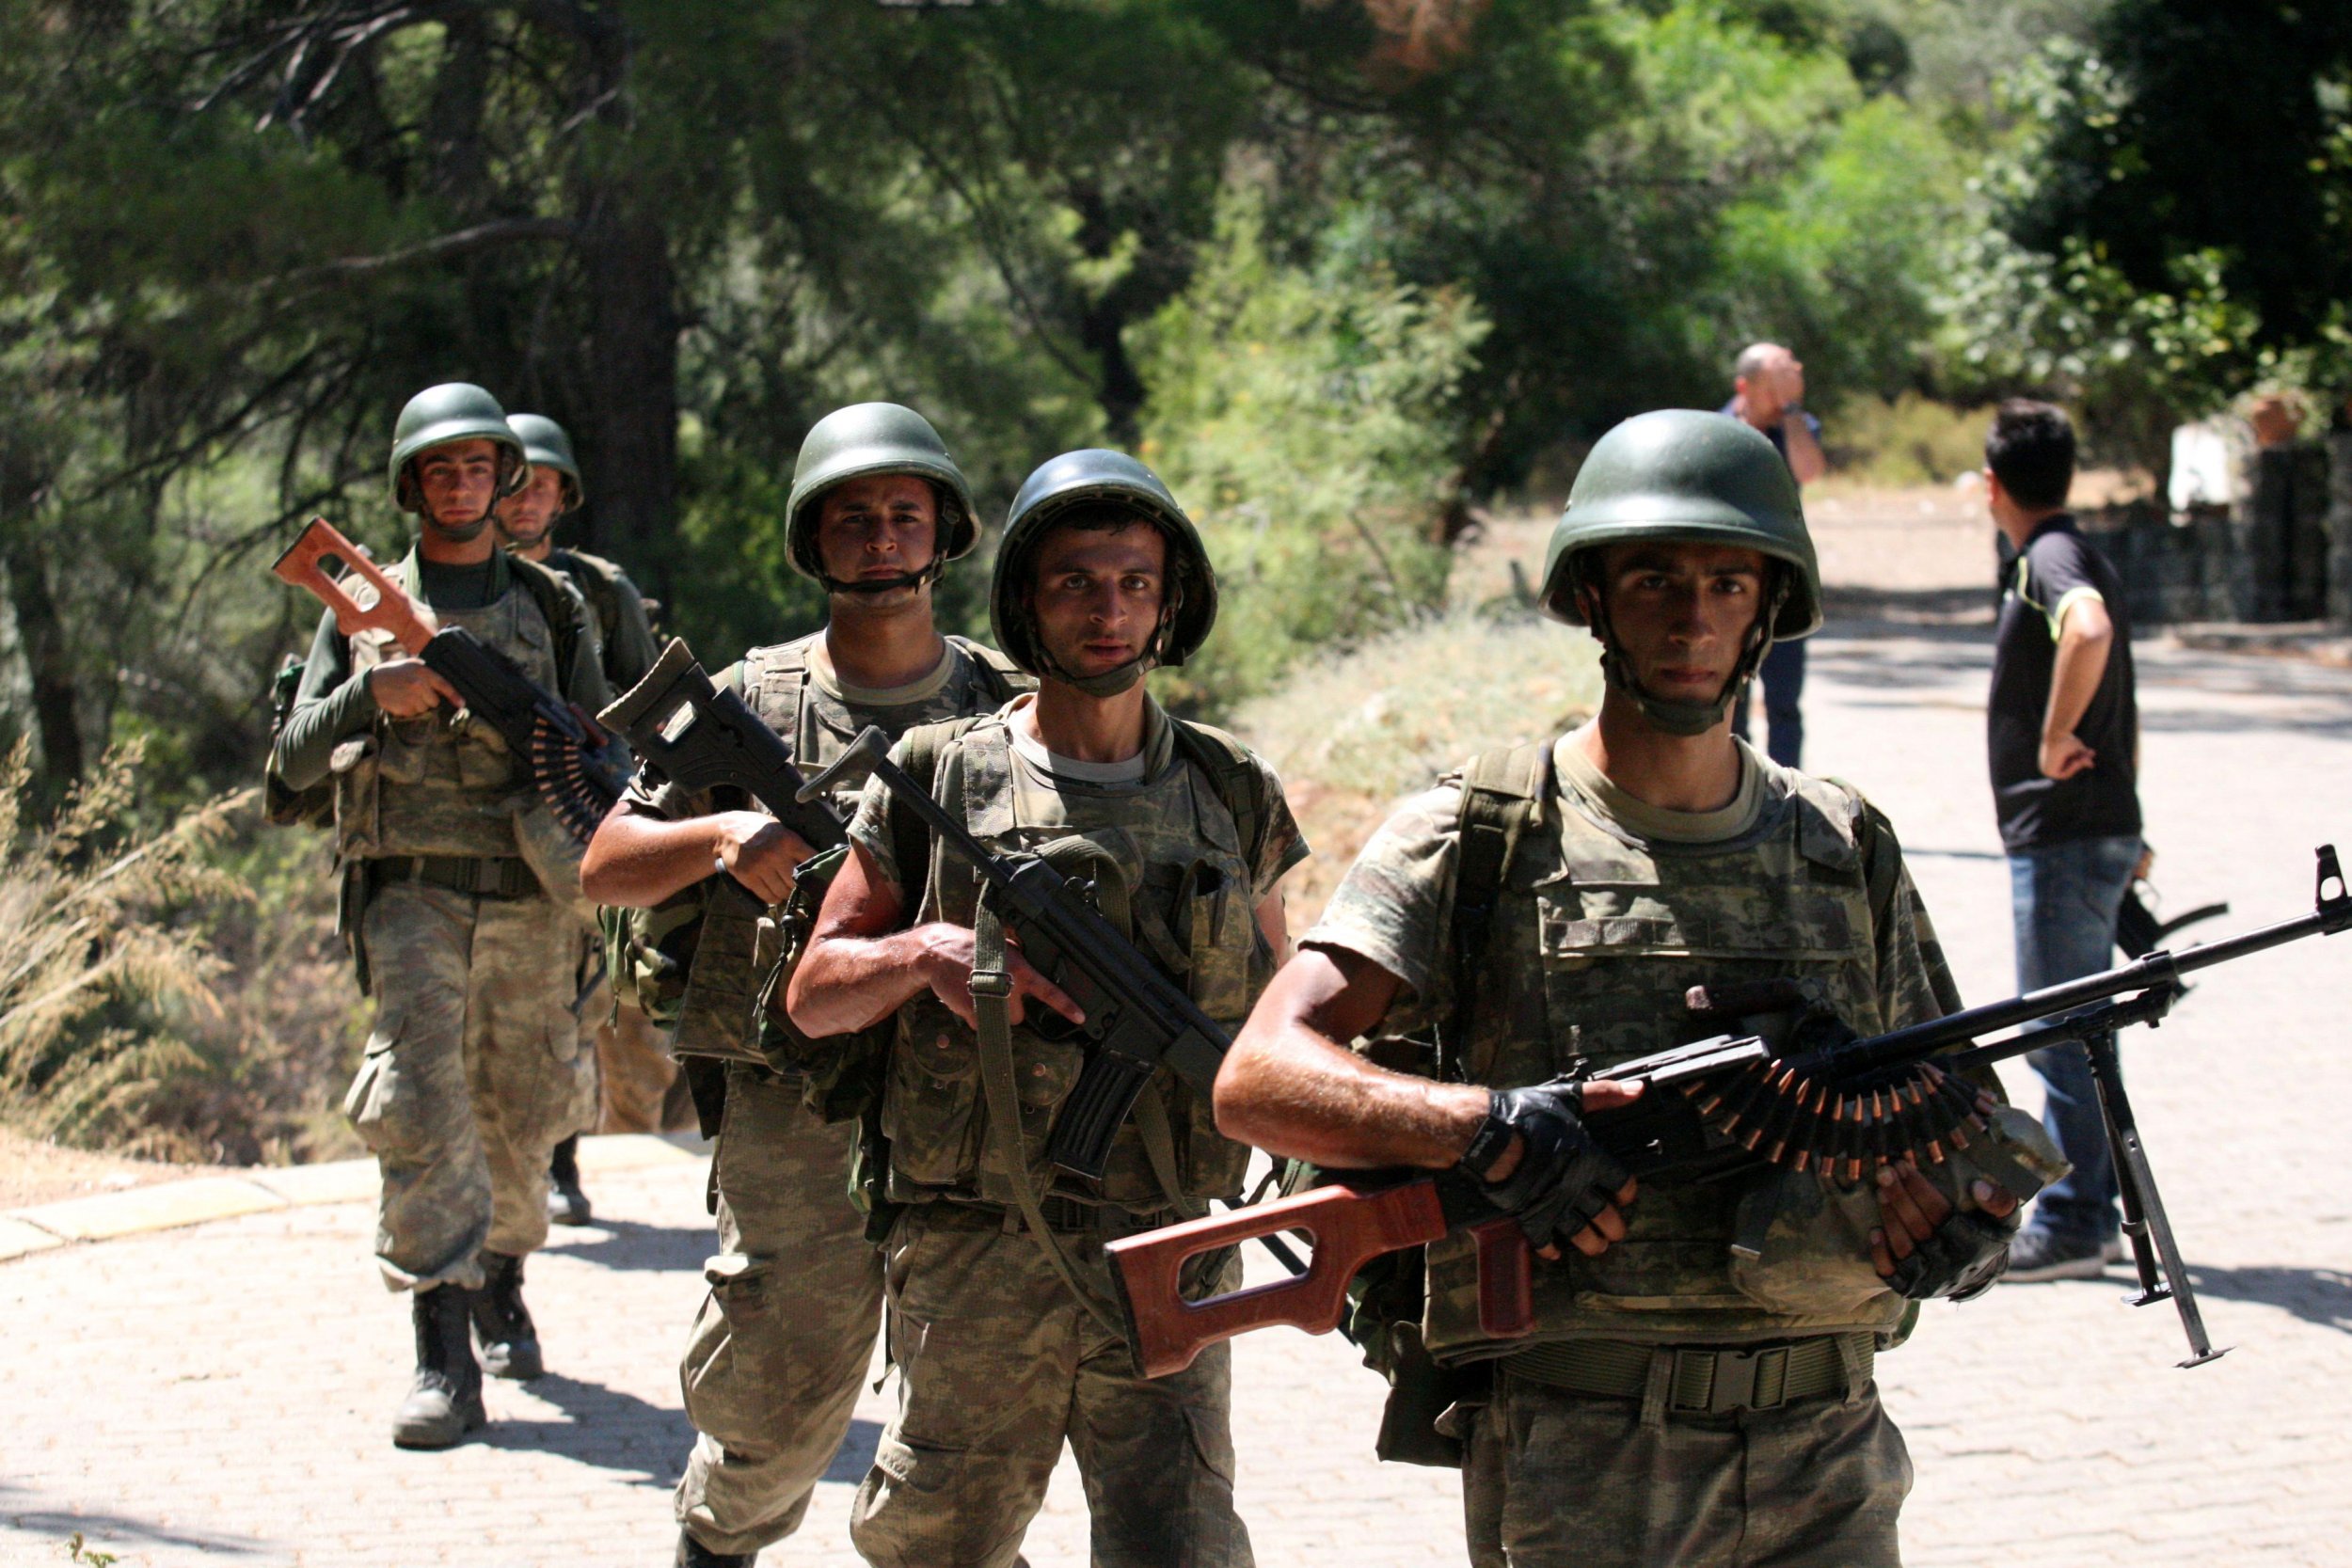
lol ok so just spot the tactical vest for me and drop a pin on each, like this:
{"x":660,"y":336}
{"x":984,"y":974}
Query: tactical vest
{"x":430,"y":785}
{"x":1593,"y":943}
{"x":1174,"y":859}
{"x":734,"y":946}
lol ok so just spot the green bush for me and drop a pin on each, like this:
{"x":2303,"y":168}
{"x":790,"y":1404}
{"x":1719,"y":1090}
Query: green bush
{"x":1909,"y":439}
{"x":1307,"y":421}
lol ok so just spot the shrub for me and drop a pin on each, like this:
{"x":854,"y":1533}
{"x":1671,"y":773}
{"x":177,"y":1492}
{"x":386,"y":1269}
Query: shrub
{"x":1307,"y":422}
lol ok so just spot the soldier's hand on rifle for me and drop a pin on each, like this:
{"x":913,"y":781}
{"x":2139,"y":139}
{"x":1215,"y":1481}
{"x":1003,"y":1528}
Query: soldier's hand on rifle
{"x":1535,"y":1160}
{"x":757,"y":851}
{"x":408,"y":687}
{"x":947,"y":965}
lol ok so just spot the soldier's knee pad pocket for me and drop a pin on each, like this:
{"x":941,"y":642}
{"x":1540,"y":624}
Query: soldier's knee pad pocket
{"x":374,"y":1101}
{"x":741,"y":1286}
{"x":932,"y":1472}
{"x":1211,"y":1440}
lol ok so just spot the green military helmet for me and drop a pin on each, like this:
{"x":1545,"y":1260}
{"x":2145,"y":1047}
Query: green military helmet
{"x":547,"y":446}
{"x":876,"y":438}
{"x":453,"y":411}
{"x":1098,"y":477}
{"x":1683,"y":475}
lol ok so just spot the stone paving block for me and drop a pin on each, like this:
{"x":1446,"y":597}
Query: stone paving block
{"x":19,"y":1237}
{"x":337,"y":1182}
{"x":162,"y":1206}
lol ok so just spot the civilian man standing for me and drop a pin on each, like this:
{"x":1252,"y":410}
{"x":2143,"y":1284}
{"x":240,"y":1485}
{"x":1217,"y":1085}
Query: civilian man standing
{"x":2062,"y":725}
{"x":1768,"y":392}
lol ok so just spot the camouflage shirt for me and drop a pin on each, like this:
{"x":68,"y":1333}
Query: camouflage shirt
{"x":1607,"y":912}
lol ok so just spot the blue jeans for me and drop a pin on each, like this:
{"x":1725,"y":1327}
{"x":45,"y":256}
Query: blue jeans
{"x":1783,"y":676}
{"x":2063,"y":898}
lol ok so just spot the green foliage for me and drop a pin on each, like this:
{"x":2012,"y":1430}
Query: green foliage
{"x":1907,"y":439}
{"x":1306,"y":420}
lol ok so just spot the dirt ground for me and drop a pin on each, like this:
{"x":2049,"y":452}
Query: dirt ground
{"x":35,"y":1172}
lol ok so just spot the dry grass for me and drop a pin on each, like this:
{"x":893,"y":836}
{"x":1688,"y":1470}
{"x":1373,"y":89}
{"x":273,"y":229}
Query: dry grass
{"x":1354,"y":732}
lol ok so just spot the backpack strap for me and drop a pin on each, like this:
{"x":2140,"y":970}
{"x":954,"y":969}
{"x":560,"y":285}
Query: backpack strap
{"x":1003,"y":679}
{"x":559,"y":607}
{"x":1503,"y":795}
{"x":910,"y":839}
{"x":1233,"y":778}
{"x":778,"y":673}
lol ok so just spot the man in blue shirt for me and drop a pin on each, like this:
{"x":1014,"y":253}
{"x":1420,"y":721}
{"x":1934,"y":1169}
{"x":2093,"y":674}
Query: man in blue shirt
{"x":1768,"y":392}
{"x":2062,"y":734}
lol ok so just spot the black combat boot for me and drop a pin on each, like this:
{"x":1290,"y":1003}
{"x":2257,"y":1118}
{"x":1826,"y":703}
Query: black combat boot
{"x":445,"y":1402}
{"x":693,"y":1554}
{"x":567,"y":1203}
{"x":510,"y":1341}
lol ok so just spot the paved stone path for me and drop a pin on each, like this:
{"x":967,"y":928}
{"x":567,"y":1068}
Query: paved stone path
{"x":221,"y":1393}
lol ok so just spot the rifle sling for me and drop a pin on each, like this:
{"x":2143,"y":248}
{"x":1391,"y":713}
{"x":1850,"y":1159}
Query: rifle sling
{"x":992,"y":1006}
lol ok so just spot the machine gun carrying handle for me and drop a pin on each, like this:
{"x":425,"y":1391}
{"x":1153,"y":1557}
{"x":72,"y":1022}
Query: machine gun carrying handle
{"x":410,"y":624}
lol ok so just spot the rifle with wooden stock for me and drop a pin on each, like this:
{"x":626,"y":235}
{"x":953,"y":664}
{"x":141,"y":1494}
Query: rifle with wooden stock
{"x":562,"y":746}
{"x":1713,"y":1109}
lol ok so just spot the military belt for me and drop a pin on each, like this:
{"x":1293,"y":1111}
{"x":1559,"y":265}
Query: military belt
{"x":1702,"y":1380}
{"x":1067,"y":1216}
{"x":483,"y":876}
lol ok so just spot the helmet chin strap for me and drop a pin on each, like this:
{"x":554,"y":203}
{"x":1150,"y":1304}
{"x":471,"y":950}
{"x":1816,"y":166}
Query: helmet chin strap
{"x":1675,"y":716}
{"x":867,"y":587}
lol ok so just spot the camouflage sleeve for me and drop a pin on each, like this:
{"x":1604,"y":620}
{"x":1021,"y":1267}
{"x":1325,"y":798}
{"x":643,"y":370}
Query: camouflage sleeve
{"x":630,"y":651}
{"x":1281,"y":844}
{"x":329,"y":707}
{"x":1913,"y":980}
{"x":1393,"y":904}
{"x":869,"y":830}
{"x":584,"y":683}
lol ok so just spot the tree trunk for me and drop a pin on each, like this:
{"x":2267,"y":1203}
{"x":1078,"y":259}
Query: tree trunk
{"x":630,"y":386}
{"x":40,"y":632}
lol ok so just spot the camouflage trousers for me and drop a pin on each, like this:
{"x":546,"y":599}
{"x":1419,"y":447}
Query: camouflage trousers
{"x":998,"y":1364}
{"x":1559,"y":1479}
{"x":786,"y":1333}
{"x":634,"y":1070}
{"x":473,"y":1073}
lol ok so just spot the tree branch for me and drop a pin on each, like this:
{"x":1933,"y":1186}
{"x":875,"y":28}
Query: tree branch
{"x":482,"y":236}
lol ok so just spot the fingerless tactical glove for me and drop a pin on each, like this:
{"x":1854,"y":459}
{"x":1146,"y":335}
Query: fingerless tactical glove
{"x":1564,"y":1177}
{"x":1965,"y":1256}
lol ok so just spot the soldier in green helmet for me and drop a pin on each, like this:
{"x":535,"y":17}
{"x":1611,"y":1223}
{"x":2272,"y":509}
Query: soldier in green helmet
{"x":636,"y":1079}
{"x":1697,"y":1385}
{"x":772,"y":1369}
{"x":1007,"y":1344}
{"x":474,"y":1068}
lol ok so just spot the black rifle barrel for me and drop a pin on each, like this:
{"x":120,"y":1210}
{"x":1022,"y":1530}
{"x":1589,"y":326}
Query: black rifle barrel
{"x":2333,"y":915}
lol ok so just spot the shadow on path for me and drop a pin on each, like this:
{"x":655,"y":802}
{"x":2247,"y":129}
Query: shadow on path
{"x":2321,"y":1296}
{"x":635,"y":1248}
{"x":606,"y":1427}
{"x":53,"y":1524}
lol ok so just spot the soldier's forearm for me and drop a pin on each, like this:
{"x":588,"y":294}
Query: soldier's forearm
{"x":847,"y":982}
{"x":637,"y":860}
{"x":1303,"y":1097}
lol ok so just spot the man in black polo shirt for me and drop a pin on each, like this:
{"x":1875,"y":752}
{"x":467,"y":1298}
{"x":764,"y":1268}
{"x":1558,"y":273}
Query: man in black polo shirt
{"x":2063,"y":730}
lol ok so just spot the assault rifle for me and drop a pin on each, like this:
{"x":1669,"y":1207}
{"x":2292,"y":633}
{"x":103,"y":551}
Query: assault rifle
{"x":1137,"y":1020}
{"x":1713,"y":1109}
{"x":560,"y":744}
{"x":697,"y":737}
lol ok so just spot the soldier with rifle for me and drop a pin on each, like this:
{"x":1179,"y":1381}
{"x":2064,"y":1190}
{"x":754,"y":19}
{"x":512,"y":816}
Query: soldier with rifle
{"x":473,"y":1067}
{"x":635,"y":1074}
{"x":1004,"y":1330}
{"x":1690,"y":1376}
{"x":878,"y":509}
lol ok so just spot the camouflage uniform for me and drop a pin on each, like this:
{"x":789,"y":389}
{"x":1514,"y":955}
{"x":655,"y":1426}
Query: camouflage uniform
{"x":634,"y":1069}
{"x":1609,"y":911}
{"x":787,"y":1332}
{"x":474,"y":1070}
{"x":998,"y":1361}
